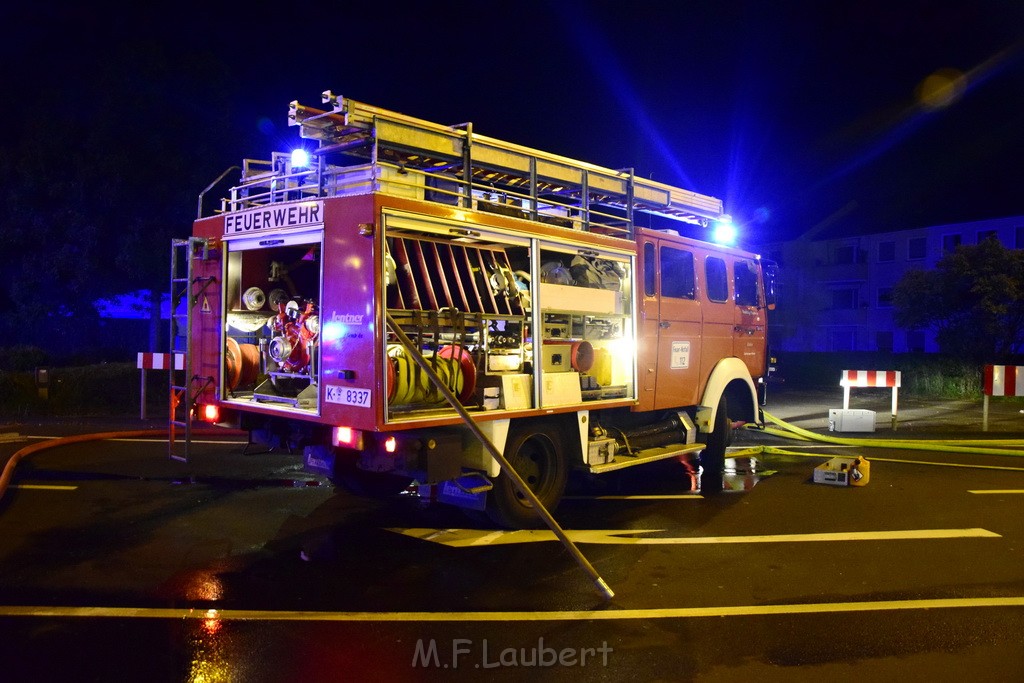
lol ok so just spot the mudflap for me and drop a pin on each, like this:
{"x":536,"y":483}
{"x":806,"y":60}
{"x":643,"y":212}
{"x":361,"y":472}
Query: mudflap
{"x":469,"y":491}
{"x":318,"y":460}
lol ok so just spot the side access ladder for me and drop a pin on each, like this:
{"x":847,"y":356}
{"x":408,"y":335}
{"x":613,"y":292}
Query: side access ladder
{"x":185,"y":286}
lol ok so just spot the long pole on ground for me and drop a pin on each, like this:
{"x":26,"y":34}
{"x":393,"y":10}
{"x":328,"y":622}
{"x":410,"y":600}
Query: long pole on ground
{"x":506,"y":466}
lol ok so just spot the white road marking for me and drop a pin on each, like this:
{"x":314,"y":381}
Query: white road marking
{"x":466,"y":538}
{"x":684,"y":496}
{"x":146,"y":440}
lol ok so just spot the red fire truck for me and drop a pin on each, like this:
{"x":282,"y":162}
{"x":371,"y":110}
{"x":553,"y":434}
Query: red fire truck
{"x":413,"y":295}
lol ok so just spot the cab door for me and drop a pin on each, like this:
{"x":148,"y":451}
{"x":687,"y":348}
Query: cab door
{"x":718,"y":308}
{"x":749,"y":319}
{"x":670,"y":325}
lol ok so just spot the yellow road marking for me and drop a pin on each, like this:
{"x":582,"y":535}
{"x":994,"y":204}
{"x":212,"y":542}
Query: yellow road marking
{"x":45,"y":487}
{"x":573,"y":615}
{"x":465,"y":538}
{"x":997,"y":491}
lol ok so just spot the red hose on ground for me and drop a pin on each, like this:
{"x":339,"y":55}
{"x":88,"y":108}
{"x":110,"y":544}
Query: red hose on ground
{"x":8,"y":473}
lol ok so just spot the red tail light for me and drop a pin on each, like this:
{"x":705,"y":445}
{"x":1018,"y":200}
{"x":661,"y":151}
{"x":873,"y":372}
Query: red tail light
{"x":346,"y":437}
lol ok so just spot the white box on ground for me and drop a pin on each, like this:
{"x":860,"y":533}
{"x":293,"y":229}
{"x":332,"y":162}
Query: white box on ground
{"x":851,"y":420}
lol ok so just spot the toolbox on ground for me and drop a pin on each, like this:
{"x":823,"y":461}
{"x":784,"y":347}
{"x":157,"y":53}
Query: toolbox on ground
{"x":850,"y":420}
{"x":843,"y":472}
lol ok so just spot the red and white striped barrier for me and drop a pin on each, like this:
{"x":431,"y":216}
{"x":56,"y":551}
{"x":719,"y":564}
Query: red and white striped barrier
{"x":1003,"y":380}
{"x":155,"y":361}
{"x":1000,"y":380}
{"x":161,"y":361}
{"x":871,"y":378}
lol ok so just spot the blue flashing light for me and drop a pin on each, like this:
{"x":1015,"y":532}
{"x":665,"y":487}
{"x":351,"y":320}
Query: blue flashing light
{"x":300,"y":158}
{"x":724,"y":231}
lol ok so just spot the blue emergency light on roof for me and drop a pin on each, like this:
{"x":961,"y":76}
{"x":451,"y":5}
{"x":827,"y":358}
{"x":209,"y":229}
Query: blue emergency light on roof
{"x":300,"y":158}
{"x":724,"y":232}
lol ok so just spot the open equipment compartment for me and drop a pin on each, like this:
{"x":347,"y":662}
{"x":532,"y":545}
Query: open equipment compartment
{"x":273,"y":291}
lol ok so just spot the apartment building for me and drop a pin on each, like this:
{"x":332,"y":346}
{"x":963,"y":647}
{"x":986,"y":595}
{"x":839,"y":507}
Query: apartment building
{"x":835,"y":293}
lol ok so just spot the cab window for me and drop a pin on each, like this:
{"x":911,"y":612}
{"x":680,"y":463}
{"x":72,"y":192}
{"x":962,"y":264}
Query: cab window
{"x":717,"y":279}
{"x":649,"y":269}
{"x":744,"y":283}
{"x":677,"y":274}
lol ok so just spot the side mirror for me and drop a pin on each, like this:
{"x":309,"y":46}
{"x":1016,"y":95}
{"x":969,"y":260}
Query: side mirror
{"x":770,"y":272}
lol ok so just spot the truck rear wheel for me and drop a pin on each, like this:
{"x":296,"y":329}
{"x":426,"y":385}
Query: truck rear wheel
{"x":536,"y":453}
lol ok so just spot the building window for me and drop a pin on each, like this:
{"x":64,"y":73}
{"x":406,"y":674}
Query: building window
{"x":844,"y":299}
{"x":883,"y":341}
{"x":717,"y":279}
{"x":886,"y":251}
{"x":845,"y":254}
{"x":917,"y":248}
{"x":950,"y":242}
{"x":915,"y":341}
{"x":885,"y":297}
{"x":985,"y":234}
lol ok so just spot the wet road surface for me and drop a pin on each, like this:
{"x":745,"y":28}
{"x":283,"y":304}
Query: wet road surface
{"x":118,"y":564}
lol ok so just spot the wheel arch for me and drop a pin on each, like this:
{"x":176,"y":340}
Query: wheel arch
{"x":731,"y":379}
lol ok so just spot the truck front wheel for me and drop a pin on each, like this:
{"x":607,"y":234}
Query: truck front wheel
{"x":536,"y":454}
{"x":712,"y":458}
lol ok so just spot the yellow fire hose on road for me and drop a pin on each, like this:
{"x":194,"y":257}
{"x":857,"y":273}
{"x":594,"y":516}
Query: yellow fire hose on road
{"x":1003,"y":447}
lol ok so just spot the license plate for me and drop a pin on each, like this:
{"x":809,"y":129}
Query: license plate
{"x":347,"y":396}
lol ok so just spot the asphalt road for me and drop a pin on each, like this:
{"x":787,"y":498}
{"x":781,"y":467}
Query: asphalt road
{"x":118,"y":564}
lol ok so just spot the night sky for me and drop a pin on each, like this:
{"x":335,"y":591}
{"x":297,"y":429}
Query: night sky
{"x":795,"y":113}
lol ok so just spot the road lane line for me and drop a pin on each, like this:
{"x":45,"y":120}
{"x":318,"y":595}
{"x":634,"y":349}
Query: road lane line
{"x":996,"y":491}
{"x":60,"y":612}
{"x":674,"y":496}
{"x":145,"y":440}
{"x":45,"y":487}
{"x":465,"y":538}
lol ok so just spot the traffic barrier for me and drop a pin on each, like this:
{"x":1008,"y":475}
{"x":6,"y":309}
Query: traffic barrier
{"x":1000,"y":380}
{"x":871,"y":378}
{"x":155,"y":361}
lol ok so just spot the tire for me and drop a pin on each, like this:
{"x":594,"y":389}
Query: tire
{"x":535,"y":451}
{"x":712,"y":458}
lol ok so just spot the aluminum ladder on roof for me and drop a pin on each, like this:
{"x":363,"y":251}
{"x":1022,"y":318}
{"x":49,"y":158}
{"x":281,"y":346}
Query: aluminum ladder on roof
{"x":478,"y":161}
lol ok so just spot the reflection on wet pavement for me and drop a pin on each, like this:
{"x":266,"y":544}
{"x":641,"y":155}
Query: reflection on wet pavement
{"x":739,"y":474}
{"x":742,"y":474}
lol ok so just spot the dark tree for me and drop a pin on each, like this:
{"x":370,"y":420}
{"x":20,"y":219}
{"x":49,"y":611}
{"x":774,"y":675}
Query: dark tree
{"x":103,"y":171}
{"x":973,"y":299}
